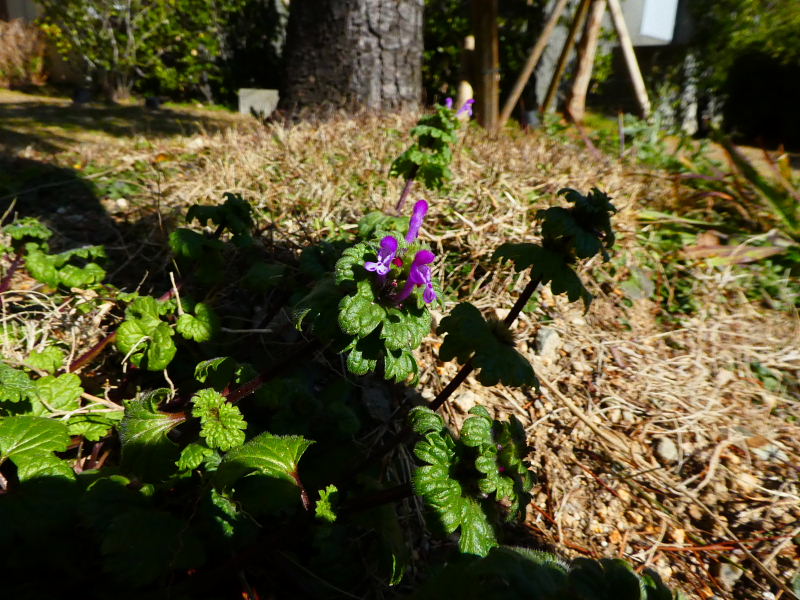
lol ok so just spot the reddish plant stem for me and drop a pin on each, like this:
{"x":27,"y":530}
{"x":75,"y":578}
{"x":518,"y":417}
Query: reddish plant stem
{"x":406,"y":190}
{"x":95,"y":350}
{"x":273,"y":370}
{"x":6,"y":282}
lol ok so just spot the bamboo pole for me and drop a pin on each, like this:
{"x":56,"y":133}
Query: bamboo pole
{"x":576,"y":106}
{"x":533,"y":60}
{"x":577,"y":23}
{"x":618,"y":20}
{"x":487,"y":51}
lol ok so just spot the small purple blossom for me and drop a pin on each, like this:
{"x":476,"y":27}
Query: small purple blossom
{"x":385,"y":257}
{"x":420,"y":274}
{"x":420,"y":210}
{"x":448,"y":103}
{"x":466,"y":108}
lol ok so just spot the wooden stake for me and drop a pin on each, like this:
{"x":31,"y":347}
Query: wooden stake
{"x":630,"y":56}
{"x":533,"y":60}
{"x":487,"y":50}
{"x":576,"y":106}
{"x":577,"y":23}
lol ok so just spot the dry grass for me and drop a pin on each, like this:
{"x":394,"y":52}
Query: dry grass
{"x":652,"y":443}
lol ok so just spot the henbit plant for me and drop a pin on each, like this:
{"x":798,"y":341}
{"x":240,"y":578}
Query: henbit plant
{"x":241,"y":468}
{"x":430,"y":156}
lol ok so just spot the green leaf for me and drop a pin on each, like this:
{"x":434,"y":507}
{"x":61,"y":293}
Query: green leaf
{"x":324,"y":507}
{"x":51,"y":359}
{"x":477,"y":535}
{"x":424,"y":420}
{"x":360,"y":314}
{"x":469,"y":336}
{"x":363,"y":355}
{"x":146,"y":449}
{"x":405,"y":329}
{"x":234,"y":215}
{"x":30,"y":442}
{"x":94,"y":426}
{"x":547,"y":265}
{"x":192,"y":456}
{"x":146,"y":340}
{"x":62,"y":393}
{"x":377,"y":224}
{"x":477,"y":430}
{"x":72,"y":276}
{"x":351,"y":264}
{"x":222,"y":423}
{"x":606,"y":579}
{"x":27,"y":227}
{"x":201,"y":327}
{"x":217,"y":372}
{"x":15,"y":385}
{"x":271,"y":455}
{"x":399,"y":365}
{"x":41,"y":266}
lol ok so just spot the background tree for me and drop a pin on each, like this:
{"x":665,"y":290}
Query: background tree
{"x":353,"y":54}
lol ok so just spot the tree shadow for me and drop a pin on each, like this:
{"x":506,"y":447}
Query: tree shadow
{"x":55,"y":126}
{"x":69,"y":205}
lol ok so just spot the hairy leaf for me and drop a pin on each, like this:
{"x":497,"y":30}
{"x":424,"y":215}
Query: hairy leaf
{"x":222,"y":423}
{"x":62,"y":393}
{"x":324,"y":508}
{"x":15,"y":385}
{"x":51,"y":359}
{"x":271,"y":455}
{"x":146,"y":449}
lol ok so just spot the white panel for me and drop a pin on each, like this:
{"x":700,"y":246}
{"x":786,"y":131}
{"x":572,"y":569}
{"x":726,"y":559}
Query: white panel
{"x":658,"y":19}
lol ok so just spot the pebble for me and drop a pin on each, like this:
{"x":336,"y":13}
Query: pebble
{"x":548,"y":343}
{"x":667,"y":450}
{"x":466,"y":401}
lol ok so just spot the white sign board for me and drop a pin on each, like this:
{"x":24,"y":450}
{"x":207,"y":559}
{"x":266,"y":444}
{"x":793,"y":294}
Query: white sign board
{"x":658,"y":19}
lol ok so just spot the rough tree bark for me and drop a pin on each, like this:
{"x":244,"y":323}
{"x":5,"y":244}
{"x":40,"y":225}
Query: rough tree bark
{"x":353,"y":54}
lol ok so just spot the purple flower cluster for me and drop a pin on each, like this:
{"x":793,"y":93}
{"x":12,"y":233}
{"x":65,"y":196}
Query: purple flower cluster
{"x":465,"y":108}
{"x":420,"y":272}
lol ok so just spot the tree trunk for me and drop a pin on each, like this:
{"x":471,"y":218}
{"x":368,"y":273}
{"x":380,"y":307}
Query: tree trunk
{"x":353,"y":54}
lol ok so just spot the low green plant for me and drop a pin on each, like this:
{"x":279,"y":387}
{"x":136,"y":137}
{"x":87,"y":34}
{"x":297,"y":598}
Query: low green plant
{"x":217,"y":467}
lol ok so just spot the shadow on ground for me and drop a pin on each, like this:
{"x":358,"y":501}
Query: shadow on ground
{"x":54,"y":126}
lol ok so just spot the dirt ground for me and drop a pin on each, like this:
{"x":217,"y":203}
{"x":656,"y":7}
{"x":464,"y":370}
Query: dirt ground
{"x":654,"y":439}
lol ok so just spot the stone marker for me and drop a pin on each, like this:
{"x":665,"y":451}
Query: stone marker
{"x":257,"y":102}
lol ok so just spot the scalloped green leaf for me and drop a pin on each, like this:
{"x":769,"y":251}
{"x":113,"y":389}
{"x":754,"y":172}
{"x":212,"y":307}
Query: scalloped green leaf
{"x":192,"y":456}
{"x":399,"y":365}
{"x":50,"y":360}
{"x":62,"y":393}
{"x":405,"y":328}
{"x":350,"y":265}
{"x":221,"y":423}
{"x":360,"y":314}
{"x":29,"y":442}
{"x":324,"y":507}
{"x":424,"y":420}
{"x":27,"y":227}
{"x":94,"y":426}
{"x":200,"y":327}
{"x":15,"y":385}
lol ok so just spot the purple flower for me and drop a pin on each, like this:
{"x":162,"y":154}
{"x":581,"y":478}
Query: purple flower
{"x":448,"y":103}
{"x":420,"y":274}
{"x":385,"y":256}
{"x":420,"y":210}
{"x":466,"y":108}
